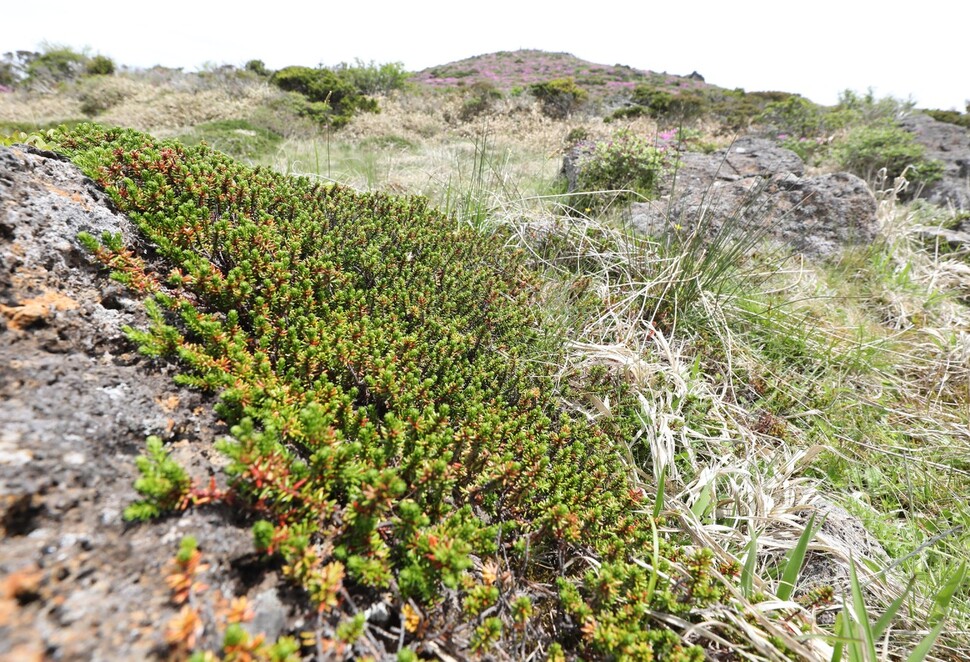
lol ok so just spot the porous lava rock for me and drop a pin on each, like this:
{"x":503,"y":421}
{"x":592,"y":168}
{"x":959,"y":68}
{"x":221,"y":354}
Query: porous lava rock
{"x":950,"y":145}
{"x":76,"y":403}
{"x":756,"y":186}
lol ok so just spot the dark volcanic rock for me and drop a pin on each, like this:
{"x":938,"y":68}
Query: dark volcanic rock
{"x":751,"y":156}
{"x":949,"y":144}
{"x":76,"y":402}
{"x":761,"y":186}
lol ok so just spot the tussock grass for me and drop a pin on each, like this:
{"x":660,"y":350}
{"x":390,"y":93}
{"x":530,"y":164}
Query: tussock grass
{"x":40,"y":110}
{"x":838,"y":388}
{"x":148,"y":101}
{"x":165,"y":112}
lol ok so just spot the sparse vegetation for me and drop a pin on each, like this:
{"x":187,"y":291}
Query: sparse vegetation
{"x":240,"y":139}
{"x":951,"y":116}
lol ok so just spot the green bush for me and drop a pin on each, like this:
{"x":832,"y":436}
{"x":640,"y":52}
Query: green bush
{"x":688,"y":105}
{"x":9,"y":74}
{"x":795,"y":116}
{"x":627,"y":113}
{"x":559,"y":97}
{"x":577,"y":135}
{"x":99,"y":94}
{"x":330,"y":99}
{"x":855,"y":108}
{"x":867,"y":149}
{"x":56,"y":64}
{"x":479,"y":98}
{"x":654,"y":100}
{"x":316,"y":84}
{"x":660,"y":104}
{"x":258,"y":67}
{"x":625,"y":166}
{"x":100,"y":65}
{"x":373,"y":78}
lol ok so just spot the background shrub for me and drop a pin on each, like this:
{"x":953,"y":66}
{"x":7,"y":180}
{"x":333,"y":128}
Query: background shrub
{"x":559,"y":97}
{"x":99,"y":94}
{"x":330,"y":99}
{"x":626,"y":166}
{"x":655,"y":101}
{"x":627,"y":113}
{"x":663,"y":105}
{"x":11,"y":69}
{"x":258,"y":67}
{"x":373,"y":78}
{"x":238,"y":138}
{"x":794,"y":116}
{"x":100,"y":65}
{"x":56,"y":64}
{"x":951,"y":117}
{"x":867,"y":149}
{"x":857,"y":108}
{"x":479,"y":98}
{"x":687,"y":106}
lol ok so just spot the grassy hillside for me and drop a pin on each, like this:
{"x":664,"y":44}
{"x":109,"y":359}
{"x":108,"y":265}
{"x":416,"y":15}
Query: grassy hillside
{"x":526,"y":428}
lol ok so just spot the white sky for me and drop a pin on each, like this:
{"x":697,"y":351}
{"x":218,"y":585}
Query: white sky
{"x":813,"y":47}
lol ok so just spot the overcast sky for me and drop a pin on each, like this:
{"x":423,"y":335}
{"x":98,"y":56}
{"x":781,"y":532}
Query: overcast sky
{"x":816,"y":47}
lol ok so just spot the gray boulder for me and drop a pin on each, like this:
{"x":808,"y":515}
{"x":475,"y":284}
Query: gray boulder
{"x":757,"y":187}
{"x":570,"y":168}
{"x":949,"y":144}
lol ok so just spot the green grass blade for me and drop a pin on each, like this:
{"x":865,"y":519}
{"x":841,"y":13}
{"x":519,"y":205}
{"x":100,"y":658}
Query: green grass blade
{"x":654,"y":572}
{"x":941,"y":603}
{"x":658,"y":504}
{"x":840,"y":637}
{"x":747,"y":574}
{"x":922,"y":649}
{"x":891,"y":611}
{"x":849,"y":640}
{"x":703,"y":502}
{"x":861,"y":615}
{"x":793,"y":565}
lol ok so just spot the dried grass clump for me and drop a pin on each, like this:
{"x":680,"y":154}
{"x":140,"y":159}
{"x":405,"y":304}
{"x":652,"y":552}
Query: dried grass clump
{"x":40,"y":109}
{"x":165,"y":112}
{"x":101,"y":93}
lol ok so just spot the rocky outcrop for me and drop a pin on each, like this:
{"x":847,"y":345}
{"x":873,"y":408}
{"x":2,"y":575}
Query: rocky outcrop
{"x":756,"y":189}
{"x":76,"y":402}
{"x":950,"y":145}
